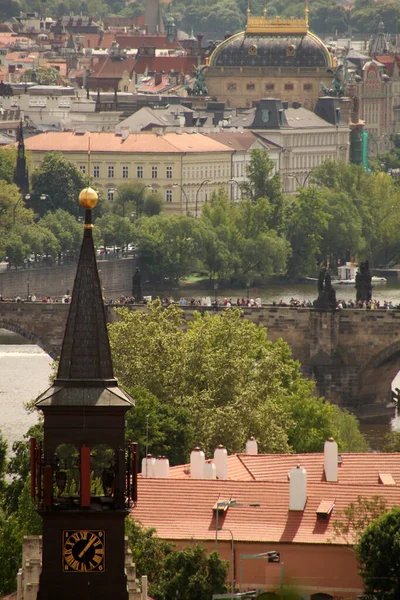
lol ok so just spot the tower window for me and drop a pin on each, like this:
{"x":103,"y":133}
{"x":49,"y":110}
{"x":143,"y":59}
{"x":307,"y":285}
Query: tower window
{"x":289,"y":86}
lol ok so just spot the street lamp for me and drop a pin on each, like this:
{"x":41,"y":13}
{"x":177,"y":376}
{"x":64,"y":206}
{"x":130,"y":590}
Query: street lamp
{"x":215,"y":292}
{"x":248,"y":290}
{"x":224,"y":505}
{"x":232,"y":560}
{"x":44,"y":197}
{"x":197,"y":193}
{"x":27,"y":197}
{"x":272,"y":556}
{"x":175,"y":185}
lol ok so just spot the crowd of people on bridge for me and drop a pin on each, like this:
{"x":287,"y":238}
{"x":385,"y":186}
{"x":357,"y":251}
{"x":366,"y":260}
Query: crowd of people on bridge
{"x":206,"y":301}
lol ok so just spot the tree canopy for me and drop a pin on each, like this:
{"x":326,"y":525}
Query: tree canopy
{"x":225,"y":380}
{"x":378,"y":553}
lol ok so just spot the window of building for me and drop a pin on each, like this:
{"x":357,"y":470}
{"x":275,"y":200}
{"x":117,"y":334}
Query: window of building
{"x":289,"y":86}
{"x":96,"y":171}
{"x":168,"y":196}
{"x":269,"y":87}
{"x":231,"y":87}
{"x":82,"y":169}
{"x":110,"y":172}
{"x":110,"y":195}
{"x":125,"y":172}
{"x":184,"y":173}
{"x":154,"y":172}
{"x":139,"y":172}
{"x":251,"y":86}
{"x":169,"y":172}
{"x":307,"y":87}
{"x":125,"y":88}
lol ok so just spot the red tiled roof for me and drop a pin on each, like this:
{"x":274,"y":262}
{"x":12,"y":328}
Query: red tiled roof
{"x":355,"y":469}
{"x":66,"y":141}
{"x":183,"y":509}
{"x":109,"y":68}
{"x":179,"y":64}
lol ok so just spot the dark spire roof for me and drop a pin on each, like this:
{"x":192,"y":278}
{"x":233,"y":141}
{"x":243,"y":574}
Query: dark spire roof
{"x":85,"y":373}
{"x":21,"y":177}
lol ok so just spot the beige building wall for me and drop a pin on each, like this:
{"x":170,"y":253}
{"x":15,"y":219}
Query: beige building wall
{"x":180,"y":178}
{"x":242,"y":86}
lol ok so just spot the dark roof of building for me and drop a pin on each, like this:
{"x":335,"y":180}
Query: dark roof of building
{"x":85,"y":372}
{"x":271,"y":50}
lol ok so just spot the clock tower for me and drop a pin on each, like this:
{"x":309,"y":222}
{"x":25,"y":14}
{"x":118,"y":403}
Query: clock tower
{"x":82,"y":476}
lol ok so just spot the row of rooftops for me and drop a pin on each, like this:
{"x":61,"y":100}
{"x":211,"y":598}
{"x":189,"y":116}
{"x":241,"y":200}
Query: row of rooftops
{"x":274,"y":498}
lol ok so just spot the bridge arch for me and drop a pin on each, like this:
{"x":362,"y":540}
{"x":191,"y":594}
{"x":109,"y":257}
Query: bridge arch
{"x":31,"y":336}
{"x":375,"y":379}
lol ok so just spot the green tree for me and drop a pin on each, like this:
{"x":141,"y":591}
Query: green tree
{"x":8,"y":159}
{"x":378,"y":553}
{"x":161,"y":429}
{"x":189,"y":574}
{"x":113,"y":230}
{"x":59,"y":182}
{"x":167,"y":246}
{"x":135,"y":198}
{"x":305,"y":231}
{"x":231,"y":380}
{"x":65,"y":228}
{"x":263,"y":184}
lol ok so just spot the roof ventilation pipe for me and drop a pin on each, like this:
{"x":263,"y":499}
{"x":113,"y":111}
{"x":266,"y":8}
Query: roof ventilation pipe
{"x":221,"y":462}
{"x":251,"y":446}
{"x":197,"y":460}
{"x":210,"y":471}
{"x":331,"y":460}
{"x":298,"y":488}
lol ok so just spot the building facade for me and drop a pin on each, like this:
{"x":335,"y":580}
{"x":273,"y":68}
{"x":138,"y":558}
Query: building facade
{"x":272,"y":57}
{"x":185,"y":168}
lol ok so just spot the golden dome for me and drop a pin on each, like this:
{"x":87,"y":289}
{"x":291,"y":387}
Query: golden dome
{"x":88,"y":198}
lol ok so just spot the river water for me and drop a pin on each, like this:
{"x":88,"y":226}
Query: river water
{"x":25,"y":368}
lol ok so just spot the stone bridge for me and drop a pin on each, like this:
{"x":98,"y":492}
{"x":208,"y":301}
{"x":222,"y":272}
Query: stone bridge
{"x":353,"y":355}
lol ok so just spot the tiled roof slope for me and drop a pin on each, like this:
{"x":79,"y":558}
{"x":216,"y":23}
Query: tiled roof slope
{"x":183,"y":509}
{"x":355,"y":469}
{"x":66,"y":141}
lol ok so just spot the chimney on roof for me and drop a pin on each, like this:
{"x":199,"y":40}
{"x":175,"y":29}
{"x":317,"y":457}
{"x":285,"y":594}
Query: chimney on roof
{"x":331,"y":460}
{"x":221,"y":462}
{"x":161,"y":468}
{"x":197,"y":460}
{"x":148,"y":466}
{"x":251,"y":446}
{"x":188,"y":118}
{"x":210,"y":471}
{"x":157,"y":78}
{"x":298,"y":488}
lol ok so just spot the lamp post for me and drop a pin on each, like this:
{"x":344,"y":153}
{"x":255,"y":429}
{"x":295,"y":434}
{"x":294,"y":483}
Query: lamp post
{"x":272,"y":556}
{"x":175,"y":185}
{"x":197,"y":194}
{"x":224,"y":505}
{"x":27,"y":197}
{"x":215,"y":293}
{"x":248,"y":290}
{"x":232,"y":560}
{"x":44,"y":197}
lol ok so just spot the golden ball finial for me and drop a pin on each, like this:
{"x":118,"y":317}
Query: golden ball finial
{"x":88,"y":198}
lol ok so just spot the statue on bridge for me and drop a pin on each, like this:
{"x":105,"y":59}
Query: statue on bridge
{"x":326,"y":293}
{"x":137,"y":286}
{"x":363,"y":283}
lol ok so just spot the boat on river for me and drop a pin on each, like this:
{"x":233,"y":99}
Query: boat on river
{"x":347,"y":275}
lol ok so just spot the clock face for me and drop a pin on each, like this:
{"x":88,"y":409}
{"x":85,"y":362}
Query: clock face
{"x":83,"y":551}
